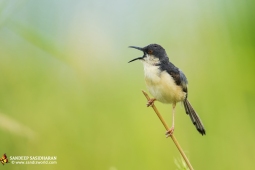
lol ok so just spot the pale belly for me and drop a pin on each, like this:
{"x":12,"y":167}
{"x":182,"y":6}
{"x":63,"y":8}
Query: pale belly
{"x":162,"y":87}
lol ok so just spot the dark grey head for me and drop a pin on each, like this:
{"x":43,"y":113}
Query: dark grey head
{"x":152,"y":54}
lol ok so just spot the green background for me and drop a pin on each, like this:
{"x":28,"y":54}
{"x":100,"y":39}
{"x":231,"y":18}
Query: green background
{"x":67,"y":90}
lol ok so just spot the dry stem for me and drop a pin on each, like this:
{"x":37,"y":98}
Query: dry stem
{"x":167,"y":128}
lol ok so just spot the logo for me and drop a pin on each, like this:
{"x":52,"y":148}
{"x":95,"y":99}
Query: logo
{"x":39,"y":160}
{"x":4,"y":159}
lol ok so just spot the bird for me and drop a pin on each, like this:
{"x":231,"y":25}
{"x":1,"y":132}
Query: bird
{"x":166,"y":83}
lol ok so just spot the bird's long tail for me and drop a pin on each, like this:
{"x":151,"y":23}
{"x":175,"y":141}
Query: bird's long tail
{"x":194,"y":117}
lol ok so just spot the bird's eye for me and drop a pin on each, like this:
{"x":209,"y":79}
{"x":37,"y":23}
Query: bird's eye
{"x":150,"y":51}
{"x":155,"y":46}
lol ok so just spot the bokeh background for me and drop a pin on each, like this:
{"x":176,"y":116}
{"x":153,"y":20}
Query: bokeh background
{"x":67,"y":90}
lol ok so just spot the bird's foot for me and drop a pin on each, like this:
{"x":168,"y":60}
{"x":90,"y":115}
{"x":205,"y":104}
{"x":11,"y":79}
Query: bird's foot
{"x":150,"y":102}
{"x":170,"y":132}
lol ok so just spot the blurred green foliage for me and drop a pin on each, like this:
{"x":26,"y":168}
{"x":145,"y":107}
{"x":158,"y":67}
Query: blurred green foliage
{"x":67,"y":90}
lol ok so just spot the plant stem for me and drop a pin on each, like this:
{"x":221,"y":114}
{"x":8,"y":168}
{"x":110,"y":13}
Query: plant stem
{"x":172,"y":136}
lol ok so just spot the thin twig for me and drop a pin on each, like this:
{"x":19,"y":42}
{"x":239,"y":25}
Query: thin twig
{"x":167,"y":128}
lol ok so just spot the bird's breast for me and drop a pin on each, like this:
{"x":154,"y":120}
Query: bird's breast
{"x":162,"y":86}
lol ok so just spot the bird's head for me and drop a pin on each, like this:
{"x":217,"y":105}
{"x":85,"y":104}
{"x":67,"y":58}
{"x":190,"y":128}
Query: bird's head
{"x":152,"y":54}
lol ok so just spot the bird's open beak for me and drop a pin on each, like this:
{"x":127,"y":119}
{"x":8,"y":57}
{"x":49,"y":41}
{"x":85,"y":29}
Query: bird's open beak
{"x":138,"y":58}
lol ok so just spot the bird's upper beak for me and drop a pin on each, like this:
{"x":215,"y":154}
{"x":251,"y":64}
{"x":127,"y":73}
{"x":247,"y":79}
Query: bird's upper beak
{"x":138,"y":58}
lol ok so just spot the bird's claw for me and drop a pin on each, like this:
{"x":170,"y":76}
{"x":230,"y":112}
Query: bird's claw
{"x":170,"y":132}
{"x":150,"y":102}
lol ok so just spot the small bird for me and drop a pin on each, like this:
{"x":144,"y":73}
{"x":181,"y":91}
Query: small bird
{"x":166,"y":82}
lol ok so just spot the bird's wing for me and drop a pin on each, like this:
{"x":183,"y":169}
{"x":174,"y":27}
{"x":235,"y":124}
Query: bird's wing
{"x":178,"y":76}
{"x":184,"y":81}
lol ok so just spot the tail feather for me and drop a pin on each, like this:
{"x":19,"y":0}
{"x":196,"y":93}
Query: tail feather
{"x":194,"y":117}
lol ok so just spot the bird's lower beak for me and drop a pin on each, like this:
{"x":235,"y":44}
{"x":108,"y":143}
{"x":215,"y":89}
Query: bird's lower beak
{"x":138,"y":58}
